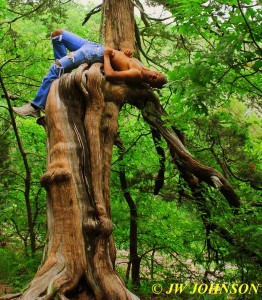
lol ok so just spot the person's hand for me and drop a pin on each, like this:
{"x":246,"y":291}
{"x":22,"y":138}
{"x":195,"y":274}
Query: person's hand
{"x":128,"y":52}
{"x":109,"y":51}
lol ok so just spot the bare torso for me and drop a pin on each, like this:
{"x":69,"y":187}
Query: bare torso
{"x":121,"y":62}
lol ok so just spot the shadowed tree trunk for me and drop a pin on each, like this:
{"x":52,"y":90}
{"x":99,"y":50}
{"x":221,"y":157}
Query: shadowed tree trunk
{"x":81,"y":123}
{"x":134,"y":258}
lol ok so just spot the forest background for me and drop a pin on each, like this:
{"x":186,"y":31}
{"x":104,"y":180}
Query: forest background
{"x":211,"y":54}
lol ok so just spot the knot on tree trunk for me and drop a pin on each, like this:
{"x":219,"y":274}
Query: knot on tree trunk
{"x":55,"y":175}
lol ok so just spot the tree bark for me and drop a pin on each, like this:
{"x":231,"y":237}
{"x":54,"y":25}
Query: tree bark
{"x":119,"y":35}
{"x":81,"y":129}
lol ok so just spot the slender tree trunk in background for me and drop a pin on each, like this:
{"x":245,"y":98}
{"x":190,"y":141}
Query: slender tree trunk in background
{"x":27,"y":177}
{"x":134,"y":258}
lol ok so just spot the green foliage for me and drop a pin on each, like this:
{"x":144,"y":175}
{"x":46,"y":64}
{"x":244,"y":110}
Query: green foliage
{"x":17,"y":270}
{"x":212,"y":54}
{"x":213,"y":96}
{"x":225,"y":58}
{"x":171,"y":236}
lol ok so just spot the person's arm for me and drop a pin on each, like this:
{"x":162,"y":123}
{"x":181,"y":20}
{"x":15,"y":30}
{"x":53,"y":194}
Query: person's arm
{"x":132,"y":75}
{"x":109,"y":71}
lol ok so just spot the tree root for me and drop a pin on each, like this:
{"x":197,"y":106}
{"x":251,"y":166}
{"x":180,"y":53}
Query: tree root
{"x":10,"y":296}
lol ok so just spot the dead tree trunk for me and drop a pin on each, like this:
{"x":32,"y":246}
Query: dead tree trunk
{"x":81,"y":129}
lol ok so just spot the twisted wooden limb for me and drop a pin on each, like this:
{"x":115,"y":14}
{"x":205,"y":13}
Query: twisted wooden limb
{"x":153,"y":113}
{"x":64,"y":263}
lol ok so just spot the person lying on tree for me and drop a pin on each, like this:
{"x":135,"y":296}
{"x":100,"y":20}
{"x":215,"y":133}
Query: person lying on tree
{"x":118,"y":66}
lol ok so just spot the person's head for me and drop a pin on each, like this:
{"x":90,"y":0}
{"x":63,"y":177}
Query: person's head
{"x":153,"y":78}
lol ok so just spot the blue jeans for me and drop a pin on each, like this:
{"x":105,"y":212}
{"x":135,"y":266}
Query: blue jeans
{"x":83,"y":51}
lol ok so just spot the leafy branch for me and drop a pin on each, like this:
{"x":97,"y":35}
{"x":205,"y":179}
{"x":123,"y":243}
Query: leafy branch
{"x":26,"y":14}
{"x":248,"y":27}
